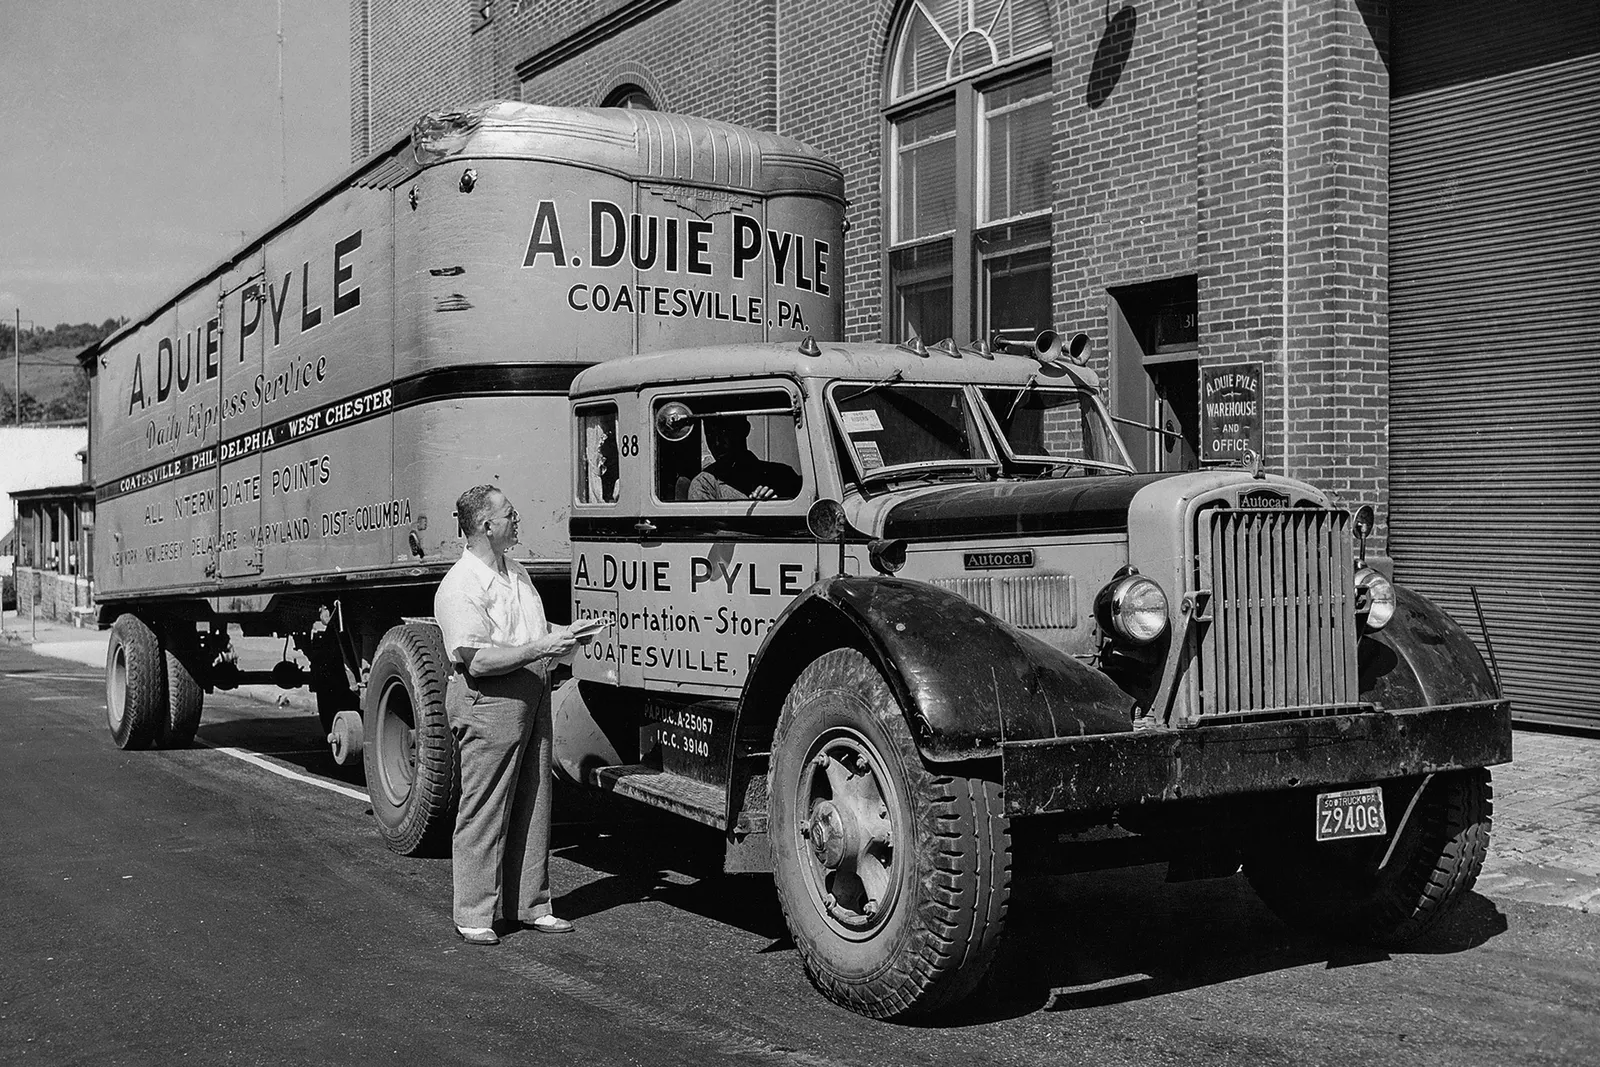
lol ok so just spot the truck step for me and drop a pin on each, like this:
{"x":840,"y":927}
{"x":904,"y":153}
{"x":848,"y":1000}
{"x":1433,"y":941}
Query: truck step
{"x":693,"y":799}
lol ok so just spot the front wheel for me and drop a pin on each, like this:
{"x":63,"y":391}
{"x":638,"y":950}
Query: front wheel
{"x":894,"y":878}
{"x":410,"y":754}
{"x":1376,"y":889}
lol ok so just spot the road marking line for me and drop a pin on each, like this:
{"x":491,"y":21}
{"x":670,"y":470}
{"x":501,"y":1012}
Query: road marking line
{"x":25,"y":676}
{"x":284,"y":772}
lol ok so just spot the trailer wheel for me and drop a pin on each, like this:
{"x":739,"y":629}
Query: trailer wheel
{"x":410,"y":755}
{"x":185,"y":702}
{"x":136,"y":687}
{"x":894,"y":878}
{"x":1337,"y":888}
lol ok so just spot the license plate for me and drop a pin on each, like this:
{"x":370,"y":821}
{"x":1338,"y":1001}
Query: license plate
{"x":1350,"y":813}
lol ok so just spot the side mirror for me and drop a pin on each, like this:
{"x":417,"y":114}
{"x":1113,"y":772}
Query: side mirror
{"x":825,"y":519}
{"x":674,"y":421}
{"x":1363,"y":523}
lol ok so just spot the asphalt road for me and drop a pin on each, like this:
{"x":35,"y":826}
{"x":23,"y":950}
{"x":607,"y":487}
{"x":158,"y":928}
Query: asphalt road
{"x":190,"y":906}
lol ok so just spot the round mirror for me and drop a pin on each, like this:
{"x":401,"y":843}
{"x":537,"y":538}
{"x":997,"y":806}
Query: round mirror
{"x":1365,"y":520}
{"x":825,"y":519}
{"x":674,"y":421}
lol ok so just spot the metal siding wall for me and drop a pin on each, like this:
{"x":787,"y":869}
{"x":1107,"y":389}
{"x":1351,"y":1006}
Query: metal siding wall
{"x":1494,"y":375}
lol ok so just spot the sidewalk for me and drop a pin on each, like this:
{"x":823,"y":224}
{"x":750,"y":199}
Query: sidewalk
{"x":1545,"y":844}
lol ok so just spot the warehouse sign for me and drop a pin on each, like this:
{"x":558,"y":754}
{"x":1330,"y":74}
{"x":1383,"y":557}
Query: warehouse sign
{"x":1230,"y":412}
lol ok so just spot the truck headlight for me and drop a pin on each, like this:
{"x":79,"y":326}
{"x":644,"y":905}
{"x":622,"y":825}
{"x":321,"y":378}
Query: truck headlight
{"x":1134,"y":608}
{"x":1375,"y":599}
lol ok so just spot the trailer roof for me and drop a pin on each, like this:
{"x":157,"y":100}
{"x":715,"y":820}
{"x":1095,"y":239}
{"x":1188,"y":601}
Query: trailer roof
{"x":677,"y":149}
{"x":732,"y":362}
{"x":681,"y":150}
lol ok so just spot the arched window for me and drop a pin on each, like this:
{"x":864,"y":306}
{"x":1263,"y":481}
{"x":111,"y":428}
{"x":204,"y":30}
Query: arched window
{"x":632,"y":96}
{"x":969,"y":110}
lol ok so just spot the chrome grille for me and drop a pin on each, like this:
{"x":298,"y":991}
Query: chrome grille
{"x":1032,"y":602}
{"x":1281,"y":637}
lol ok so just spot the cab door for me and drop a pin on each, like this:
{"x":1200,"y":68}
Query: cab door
{"x":721,"y":558}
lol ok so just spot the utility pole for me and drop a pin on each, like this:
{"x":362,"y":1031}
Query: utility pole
{"x":16,"y":365}
{"x":283,"y":126}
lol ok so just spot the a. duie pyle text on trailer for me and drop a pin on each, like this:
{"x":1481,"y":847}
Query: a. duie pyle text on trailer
{"x":195,"y":356}
{"x":641,"y":241}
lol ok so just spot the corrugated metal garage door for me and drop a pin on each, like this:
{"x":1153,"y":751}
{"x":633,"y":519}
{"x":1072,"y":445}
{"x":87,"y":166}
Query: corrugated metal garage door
{"x":1495,"y":365}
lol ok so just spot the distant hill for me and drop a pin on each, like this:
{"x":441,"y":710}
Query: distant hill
{"x":53,"y":387}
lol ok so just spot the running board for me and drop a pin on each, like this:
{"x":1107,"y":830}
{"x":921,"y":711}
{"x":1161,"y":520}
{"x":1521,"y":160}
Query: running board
{"x":700,"y":801}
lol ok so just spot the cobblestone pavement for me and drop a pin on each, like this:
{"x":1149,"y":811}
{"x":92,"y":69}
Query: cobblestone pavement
{"x":1544,"y":849}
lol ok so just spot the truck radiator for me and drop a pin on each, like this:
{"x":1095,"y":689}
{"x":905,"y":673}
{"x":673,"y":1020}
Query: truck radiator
{"x":1281,"y":638}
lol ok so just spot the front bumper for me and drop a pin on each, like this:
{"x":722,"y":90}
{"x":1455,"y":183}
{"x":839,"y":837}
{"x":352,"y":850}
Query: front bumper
{"x":1105,"y":771}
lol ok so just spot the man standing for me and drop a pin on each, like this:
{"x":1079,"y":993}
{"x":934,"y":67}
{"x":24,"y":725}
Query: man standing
{"x":735,"y":472}
{"x":498,"y":703}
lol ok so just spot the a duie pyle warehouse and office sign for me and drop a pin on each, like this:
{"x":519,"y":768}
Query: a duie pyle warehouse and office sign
{"x":1230,"y":413}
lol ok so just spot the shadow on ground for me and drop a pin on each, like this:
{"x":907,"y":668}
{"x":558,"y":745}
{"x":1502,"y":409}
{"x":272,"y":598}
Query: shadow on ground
{"x":1072,"y":941}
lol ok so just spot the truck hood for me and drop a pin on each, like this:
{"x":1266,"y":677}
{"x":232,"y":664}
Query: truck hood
{"x":1003,"y":509}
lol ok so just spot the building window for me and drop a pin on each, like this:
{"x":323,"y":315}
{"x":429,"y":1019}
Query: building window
{"x":969,"y":114}
{"x":629,"y":96}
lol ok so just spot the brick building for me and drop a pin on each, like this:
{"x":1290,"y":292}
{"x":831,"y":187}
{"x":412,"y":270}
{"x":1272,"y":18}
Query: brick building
{"x":1389,"y":207}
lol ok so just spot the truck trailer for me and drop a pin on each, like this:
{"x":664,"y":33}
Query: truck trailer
{"x":952,"y":638}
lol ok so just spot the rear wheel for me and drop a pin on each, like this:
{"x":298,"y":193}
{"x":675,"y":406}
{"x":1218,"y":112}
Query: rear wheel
{"x":894,"y":878}
{"x":136,"y":689}
{"x":185,"y":702}
{"x":410,"y":755}
{"x":1346,"y":889}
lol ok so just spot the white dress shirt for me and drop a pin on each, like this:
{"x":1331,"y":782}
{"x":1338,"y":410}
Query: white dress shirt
{"x":478,"y":607}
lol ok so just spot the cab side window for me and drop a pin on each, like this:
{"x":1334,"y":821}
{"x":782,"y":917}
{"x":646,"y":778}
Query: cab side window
{"x":597,"y":455}
{"x":739,"y":446}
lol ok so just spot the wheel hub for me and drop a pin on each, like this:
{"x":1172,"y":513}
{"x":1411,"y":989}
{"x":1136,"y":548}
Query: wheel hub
{"x":833,"y":834}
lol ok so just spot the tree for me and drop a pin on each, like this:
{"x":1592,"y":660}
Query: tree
{"x":32,"y":410}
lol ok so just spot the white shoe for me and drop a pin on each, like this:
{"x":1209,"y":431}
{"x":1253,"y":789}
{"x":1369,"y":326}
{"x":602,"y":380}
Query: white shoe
{"x":478,"y":935}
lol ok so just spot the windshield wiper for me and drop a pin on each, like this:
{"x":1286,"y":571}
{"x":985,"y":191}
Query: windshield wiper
{"x":1097,"y":464}
{"x":894,"y":376}
{"x":1027,"y":387}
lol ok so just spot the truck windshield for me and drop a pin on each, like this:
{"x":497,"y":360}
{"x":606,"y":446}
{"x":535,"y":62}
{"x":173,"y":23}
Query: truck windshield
{"x":895,"y":429}
{"x":1054,"y":430}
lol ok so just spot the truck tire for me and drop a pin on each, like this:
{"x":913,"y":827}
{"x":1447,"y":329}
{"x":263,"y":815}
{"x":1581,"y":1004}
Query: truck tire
{"x":185,"y":701}
{"x":136,"y":684}
{"x":1336,"y":888}
{"x":894,"y":879}
{"x":410,"y":754}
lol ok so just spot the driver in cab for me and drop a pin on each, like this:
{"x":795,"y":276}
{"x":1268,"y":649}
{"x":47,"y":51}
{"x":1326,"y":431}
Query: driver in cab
{"x":736,"y":473}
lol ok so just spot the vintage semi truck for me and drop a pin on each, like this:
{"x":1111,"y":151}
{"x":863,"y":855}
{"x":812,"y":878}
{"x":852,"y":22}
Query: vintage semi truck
{"x":900,"y":622}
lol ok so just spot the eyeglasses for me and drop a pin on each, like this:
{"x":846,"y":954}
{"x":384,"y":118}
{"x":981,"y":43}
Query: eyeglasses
{"x":510,"y":514}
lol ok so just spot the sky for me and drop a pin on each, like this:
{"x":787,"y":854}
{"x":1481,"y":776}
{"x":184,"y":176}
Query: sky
{"x":141,"y":142}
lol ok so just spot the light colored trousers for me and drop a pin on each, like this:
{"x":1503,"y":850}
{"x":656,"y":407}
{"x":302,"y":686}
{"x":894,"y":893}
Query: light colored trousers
{"x":500,"y":851}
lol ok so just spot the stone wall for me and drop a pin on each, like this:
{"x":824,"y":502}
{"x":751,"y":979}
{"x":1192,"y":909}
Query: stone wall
{"x":55,"y":596}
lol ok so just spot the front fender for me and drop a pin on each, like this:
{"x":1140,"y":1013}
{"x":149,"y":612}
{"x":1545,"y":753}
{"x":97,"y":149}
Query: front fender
{"x":966,"y":680}
{"x":1423,"y":658}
